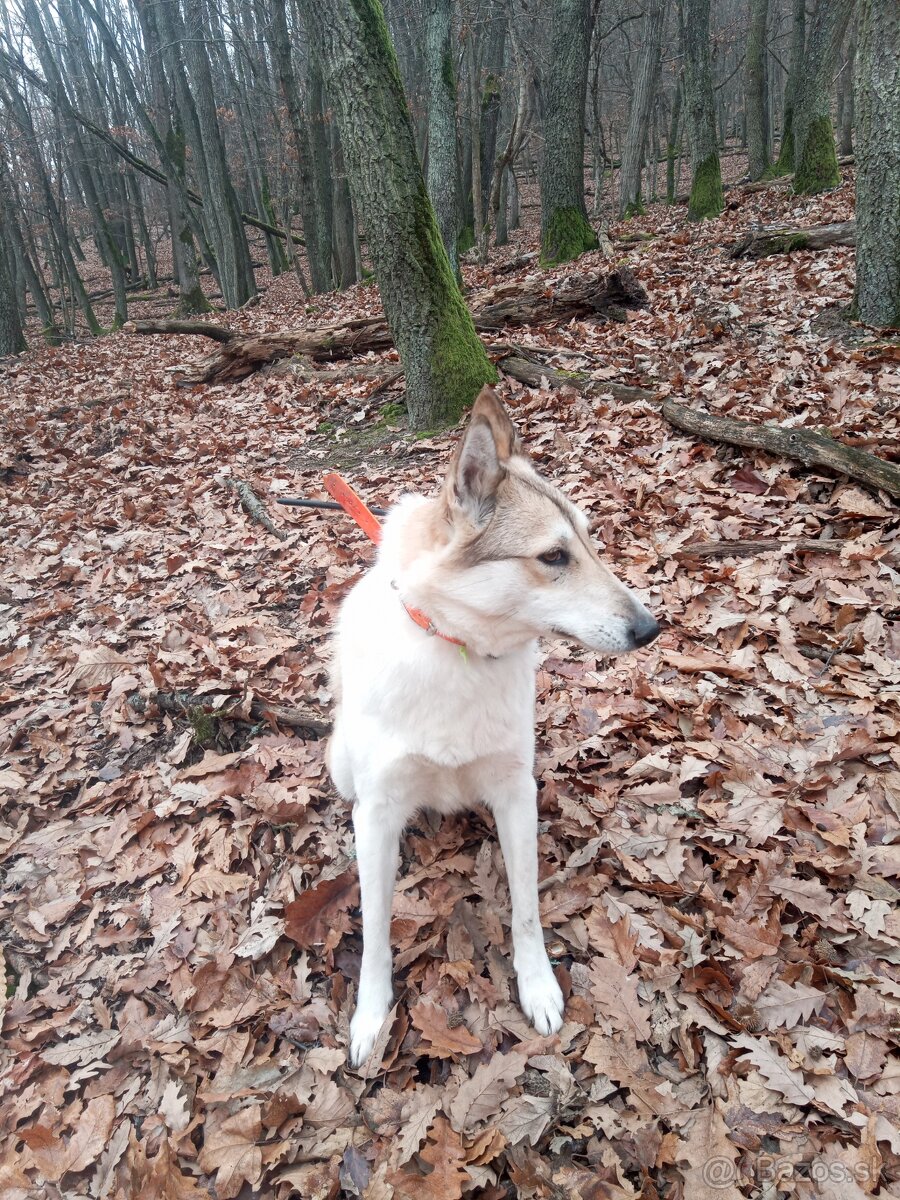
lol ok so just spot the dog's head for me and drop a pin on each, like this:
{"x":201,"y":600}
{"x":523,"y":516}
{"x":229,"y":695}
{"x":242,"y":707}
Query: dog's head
{"x":519,"y":562}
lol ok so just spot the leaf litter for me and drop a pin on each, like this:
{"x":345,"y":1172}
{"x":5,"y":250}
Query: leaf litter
{"x":718,"y":816}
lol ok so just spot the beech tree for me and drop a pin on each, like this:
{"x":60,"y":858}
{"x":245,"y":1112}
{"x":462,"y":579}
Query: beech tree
{"x":565,"y":229}
{"x":707,"y":198}
{"x":443,"y":142}
{"x":444,"y":360}
{"x":877,"y":86}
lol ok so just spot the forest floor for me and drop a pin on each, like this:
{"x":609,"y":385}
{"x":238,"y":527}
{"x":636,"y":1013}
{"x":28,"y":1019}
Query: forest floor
{"x":718,"y":813}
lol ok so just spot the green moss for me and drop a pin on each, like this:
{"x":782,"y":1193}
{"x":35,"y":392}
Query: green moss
{"x":491,"y":91}
{"x":447,"y":74}
{"x":204,"y":725}
{"x":392,"y":413}
{"x":466,"y":240}
{"x":707,"y":198}
{"x":458,"y":366}
{"x":325,"y":427}
{"x":567,"y":235}
{"x":818,"y":168}
{"x":635,"y":209}
{"x":192,"y":303}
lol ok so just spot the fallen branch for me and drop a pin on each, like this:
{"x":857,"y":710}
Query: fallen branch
{"x":592,"y":296}
{"x":532,"y":372}
{"x":182,"y":704}
{"x":253,"y":506}
{"x":760,"y":243}
{"x":805,"y":445}
{"x":743,"y":547}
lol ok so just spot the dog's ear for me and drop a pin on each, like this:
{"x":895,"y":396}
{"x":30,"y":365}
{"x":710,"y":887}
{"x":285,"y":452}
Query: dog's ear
{"x":489,"y":441}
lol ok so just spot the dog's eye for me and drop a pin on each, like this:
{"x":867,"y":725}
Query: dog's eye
{"x":555,"y":558}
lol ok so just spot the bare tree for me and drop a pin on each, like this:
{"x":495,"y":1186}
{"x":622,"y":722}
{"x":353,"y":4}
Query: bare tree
{"x":642,"y":102}
{"x":707,"y":198}
{"x":815,"y":155}
{"x":755,"y":90}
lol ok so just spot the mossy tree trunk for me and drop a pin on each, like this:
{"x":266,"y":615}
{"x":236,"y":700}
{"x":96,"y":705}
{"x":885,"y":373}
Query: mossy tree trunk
{"x":755,"y":90}
{"x":565,"y":229}
{"x":12,"y":339}
{"x":707,"y":198}
{"x":641,"y":106}
{"x":785,"y":163}
{"x":877,"y":87}
{"x":444,"y":361}
{"x":443,"y":143}
{"x":815,"y":154}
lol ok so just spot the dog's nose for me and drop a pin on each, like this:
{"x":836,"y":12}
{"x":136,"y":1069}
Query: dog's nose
{"x":644,"y":630}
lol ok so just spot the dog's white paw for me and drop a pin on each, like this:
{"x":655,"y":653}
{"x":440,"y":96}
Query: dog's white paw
{"x":365,"y":1026}
{"x":541,"y":998}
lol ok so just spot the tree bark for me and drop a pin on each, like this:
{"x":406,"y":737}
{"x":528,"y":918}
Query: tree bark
{"x":565,"y":229}
{"x":630,"y":202}
{"x":445,"y":363}
{"x":877,"y":296}
{"x":811,"y":448}
{"x":443,"y":144}
{"x":707,"y":198}
{"x":12,"y":340}
{"x":755,"y":91}
{"x":785,"y":164}
{"x":815,"y":155}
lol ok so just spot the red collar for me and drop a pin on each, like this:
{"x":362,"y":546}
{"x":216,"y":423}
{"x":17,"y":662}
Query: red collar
{"x":351,"y":503}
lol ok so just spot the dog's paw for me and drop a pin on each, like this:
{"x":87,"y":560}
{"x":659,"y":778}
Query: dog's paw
{"x":541,"y":999}
{"x":365,"y":1026}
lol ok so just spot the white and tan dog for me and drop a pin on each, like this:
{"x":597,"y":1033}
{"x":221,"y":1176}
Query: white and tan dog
{"x":498,"y":560}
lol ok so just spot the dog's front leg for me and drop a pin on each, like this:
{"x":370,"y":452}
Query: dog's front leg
{"x":516,"y":815}
{"x":377,"y":830}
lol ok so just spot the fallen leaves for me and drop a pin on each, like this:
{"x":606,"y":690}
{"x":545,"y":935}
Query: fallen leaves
{"x":179,"y":897}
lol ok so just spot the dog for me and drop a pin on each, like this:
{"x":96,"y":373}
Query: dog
{"x":434,"y":680}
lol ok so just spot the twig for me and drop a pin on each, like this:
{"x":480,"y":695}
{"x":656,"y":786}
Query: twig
{"x":181,"y":703}
{"x":252,"y":505}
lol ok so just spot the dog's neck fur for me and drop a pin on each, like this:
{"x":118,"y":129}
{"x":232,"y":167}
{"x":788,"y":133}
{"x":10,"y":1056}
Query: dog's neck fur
{"x":416,"y":560}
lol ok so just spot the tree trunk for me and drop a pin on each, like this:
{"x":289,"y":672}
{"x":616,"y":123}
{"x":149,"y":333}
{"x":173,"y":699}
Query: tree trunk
{"x":672,"y":144}
{"x":318,"y":256}
{"x":224,"y":213}
{"x":641,"y":107}
{"x":798,"y":42}
{"x":848,"y":116}
{"x":707,"y":198}
{"x":343,"y":248}
{"x":815,"y":156}
{"x":12,"y":340}
{"x":877,"y":85}
{"x":445,"y":363}
{"x":443,"y":145}
{"x":565,"y":229}
{"x":755,"y":90}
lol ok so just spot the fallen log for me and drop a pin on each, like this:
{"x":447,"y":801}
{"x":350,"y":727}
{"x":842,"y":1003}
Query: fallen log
{"x":183,"y":704}
{"x":598,"y":296}
{"x":778,"y":239}
{"x":745,"y":546}
{"x":805,"y":445}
